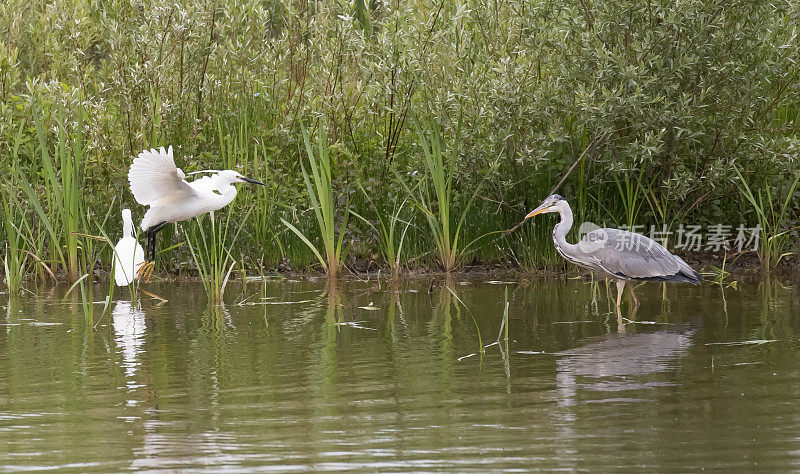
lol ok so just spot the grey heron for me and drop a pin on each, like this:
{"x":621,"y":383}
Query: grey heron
{"x":616,"y":254}
{"x":156,"y":182}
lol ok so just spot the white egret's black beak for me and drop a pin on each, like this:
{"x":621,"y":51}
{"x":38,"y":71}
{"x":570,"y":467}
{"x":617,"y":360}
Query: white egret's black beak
{"x":252,"y":181}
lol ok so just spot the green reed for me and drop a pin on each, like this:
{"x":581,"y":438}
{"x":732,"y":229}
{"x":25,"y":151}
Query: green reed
{"x":504,"y":323}
{"x":631,"y":194}
{"x":772,"y":212}
{"x":481,"y":348}
{"x":320,"y":192}
{"x":210,"y":245}
{"x":239,"y":149}
{"x":390,"y":234}
{"x":62,"y":209}
{"x":440,"y":167}
{"x":13,"y":258}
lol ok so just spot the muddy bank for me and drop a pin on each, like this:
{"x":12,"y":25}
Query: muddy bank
{"x":739,"y":267}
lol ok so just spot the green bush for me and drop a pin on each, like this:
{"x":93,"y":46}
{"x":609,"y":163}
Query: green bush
{"x":685,"y":91}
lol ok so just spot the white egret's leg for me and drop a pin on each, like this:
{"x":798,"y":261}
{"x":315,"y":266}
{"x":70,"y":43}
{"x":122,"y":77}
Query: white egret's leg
{"x":151,"y":240}
{"x":146,"y":268}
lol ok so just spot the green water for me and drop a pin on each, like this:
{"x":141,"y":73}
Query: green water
{"x":322,"y":383}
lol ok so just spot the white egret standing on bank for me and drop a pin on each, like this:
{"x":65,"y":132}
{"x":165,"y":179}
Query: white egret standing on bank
{"x":156,"y":182}
{"x":616,"y":254}
{"x":128,"y":254}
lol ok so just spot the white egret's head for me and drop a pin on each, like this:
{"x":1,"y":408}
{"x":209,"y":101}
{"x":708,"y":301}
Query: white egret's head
{"x":552,"y":203}
{"x":231,"y":176}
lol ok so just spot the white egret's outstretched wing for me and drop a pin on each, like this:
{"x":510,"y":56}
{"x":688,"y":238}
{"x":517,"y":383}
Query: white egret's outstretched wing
{"x":637,"y":257}
{"x":154,"y":177}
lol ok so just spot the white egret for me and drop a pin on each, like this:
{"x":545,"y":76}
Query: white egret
{"x":616,"y":254}
{"x":156,"y":182}
{"x":128,"y":254}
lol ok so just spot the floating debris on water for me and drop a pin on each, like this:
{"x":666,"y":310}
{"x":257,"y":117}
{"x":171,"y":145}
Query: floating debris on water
{"x":630,"y":321}
{"x":253,"y":303}
{"x":752,"y":342}
{"x":355,"y":325}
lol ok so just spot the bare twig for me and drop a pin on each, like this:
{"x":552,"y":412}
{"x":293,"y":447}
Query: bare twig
{"x":591,"y":144}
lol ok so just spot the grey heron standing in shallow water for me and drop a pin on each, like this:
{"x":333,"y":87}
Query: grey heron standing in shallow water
{"x":616,"y":254}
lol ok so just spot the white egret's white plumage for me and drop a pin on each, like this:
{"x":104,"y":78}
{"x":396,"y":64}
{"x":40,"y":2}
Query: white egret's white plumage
{"x":156,"y":182}
{"x":128,"y":254}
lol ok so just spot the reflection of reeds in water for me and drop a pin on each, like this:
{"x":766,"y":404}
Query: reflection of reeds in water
{"x":325,"y":357}
{"x":776,"y":319}
{"x":446,"y":309}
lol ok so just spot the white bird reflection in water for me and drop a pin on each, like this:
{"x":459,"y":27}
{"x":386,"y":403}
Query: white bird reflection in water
{"x":129,"y":329}
{"x":619,"y":363}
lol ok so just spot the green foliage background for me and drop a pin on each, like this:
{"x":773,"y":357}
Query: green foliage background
{"x":685,"y":91}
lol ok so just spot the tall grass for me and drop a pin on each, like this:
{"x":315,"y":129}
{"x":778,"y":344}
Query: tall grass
{"x":440,"y":167}
{"x":13,"y":258}
{"x":61,"y":210}
{"x":320,"y":192}
{"x":481,"y":348}
{"x":391,"y":232}
{"x":504,"y":323}
{"x":210,"y":245}
{"x":772,"y":212}
{"x":631,"y":194}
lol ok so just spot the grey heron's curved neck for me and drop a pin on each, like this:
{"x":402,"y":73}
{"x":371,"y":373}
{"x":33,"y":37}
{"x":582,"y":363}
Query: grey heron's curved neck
{"x":562,"y":227}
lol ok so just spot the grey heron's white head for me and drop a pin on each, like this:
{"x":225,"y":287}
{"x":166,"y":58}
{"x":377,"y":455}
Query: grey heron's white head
{"x":552,"y":203}
{"x":230,"y":176}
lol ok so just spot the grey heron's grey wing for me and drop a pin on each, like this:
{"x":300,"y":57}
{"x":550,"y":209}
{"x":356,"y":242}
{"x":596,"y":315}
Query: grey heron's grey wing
{"x":634,"y":256}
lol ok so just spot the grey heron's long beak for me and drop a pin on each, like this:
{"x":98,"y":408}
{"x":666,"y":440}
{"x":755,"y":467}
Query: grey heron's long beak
{"x":538,"y":210}
{"x":252,"y":181}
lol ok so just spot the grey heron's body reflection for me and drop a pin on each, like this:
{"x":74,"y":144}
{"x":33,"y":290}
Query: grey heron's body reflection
{"x":618,"y":363}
